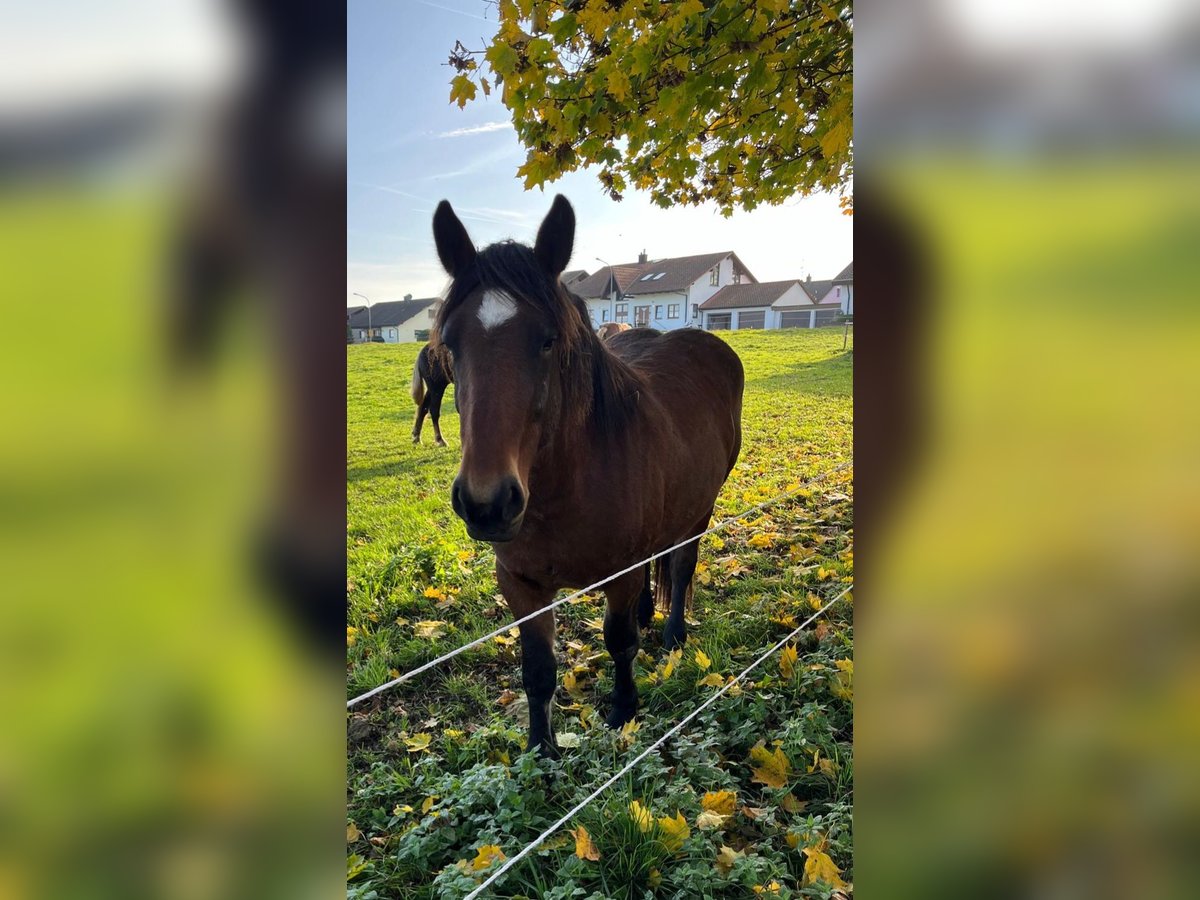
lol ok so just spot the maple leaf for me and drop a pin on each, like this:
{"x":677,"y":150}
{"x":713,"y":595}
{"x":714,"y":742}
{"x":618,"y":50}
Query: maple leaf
{"x":429,"y":629}
{"x":702,"y":660}
{"x":819,"y":867}
{"x":674,"y":830}
{"x":487,"y":855}
{"x":710,"y":821}
{"x":427,"y":805}
{"x":462,"y":90}
{"x":712,"y":679}
{"x":774,"y":768}
{"x":585,"y":847}
{"x":787,"y":661}
{"x":722,"y":802}
{"x":726,"y":857}
{"x":628,"y":730}
{"x":418,"y":742}
{"x":352,"y":833}
{"x":641,"y":816}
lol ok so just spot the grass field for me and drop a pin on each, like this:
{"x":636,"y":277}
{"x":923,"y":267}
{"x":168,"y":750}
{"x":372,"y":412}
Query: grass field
{"x":754,"y":797}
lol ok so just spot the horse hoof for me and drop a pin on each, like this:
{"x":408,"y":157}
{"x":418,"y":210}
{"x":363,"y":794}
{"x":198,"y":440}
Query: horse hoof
{"x":439,"y":442}
{"x":621,"y":713}
{"x":673,"y":639}
{"x":546,"y":749}
{"x":416,"y":439}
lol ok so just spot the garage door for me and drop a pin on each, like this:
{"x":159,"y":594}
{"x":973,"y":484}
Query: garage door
{"x":794,"y":318}
{"x":719,"y":321}
{"x":828,"y":316}
{"x":751,"y":319}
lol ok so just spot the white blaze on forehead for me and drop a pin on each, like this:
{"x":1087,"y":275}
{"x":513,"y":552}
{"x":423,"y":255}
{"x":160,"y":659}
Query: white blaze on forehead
{"x":496,"y":309}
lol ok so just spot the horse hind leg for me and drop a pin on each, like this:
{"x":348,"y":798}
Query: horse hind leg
{"x":645,"y":606}
{"x":681,"y":564}
{"x":621,"y":641}
{"x":422,"y":409}
{"x":435,"y":413}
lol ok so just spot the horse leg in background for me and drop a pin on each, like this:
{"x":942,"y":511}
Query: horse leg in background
{"x":645,"y":606}
{"x":621,"y":641}
{"x":419,"y":421}
{"x":538,"y":667}
{"x":434,"y":400}
{"x":681,"y":564}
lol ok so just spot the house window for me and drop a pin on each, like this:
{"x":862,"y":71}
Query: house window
{"x":714,"y":277}
{"x":641,"y":315}
{"x":695,"y":310}
{"x":658,"y":311}
{"x":719,"y":321}
{"x":392,"y":333}
{"x":432,"y":312}
{"x":622,"y":312}
{"x":673,"y":311}
{"x":604,"y":315}
{"x":737,"y":277}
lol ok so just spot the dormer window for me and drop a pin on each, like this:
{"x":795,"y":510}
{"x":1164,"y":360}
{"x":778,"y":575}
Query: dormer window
{"x":737,"y":277}
{"x":714,"y":276}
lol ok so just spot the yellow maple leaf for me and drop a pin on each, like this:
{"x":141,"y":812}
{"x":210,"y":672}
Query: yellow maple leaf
{"x":843,"y":682}
{"x":434,"y":593}
{"x":655,"y":878}
{"x":787,"y":661}
{"x":712,"y":679}
{"x":641,"y":816}
{"x":628,"y":730}
{"x":585,"y":847}
{"x":429,"y":629}
{"x":726,"y":857}
{"x":418,"y":742}
{"x":462,"y":89}
{"x":702,"y":660}
{"x":773,"y":768}
{"x":351,"y":635}
{"x":710,"y":821}
{"x":487,"y":855}
{"x":819,"y":867}
{"x":427,"y":805}
{"x":674,"y":831}
{"x":761,"y":540}
{"x":352,"y":833}
{"x":723,"y":802}
{"x":772,"y":888}
{"x":569,"y":682}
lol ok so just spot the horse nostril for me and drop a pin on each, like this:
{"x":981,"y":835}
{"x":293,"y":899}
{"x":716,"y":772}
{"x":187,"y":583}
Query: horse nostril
{"x":514,"y":503}
{"x":456,"y":498}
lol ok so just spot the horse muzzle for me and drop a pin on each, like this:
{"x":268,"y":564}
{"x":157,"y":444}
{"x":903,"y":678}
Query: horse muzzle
{"x":494,"y":517}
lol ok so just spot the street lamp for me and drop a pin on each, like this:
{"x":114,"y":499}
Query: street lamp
{"x":369,"y":328}
{"x":613,"y":275}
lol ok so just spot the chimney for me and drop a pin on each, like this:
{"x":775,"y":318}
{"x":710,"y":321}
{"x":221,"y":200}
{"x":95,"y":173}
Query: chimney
{"x":408,"y":296}
{"x":808,"y":277}
{"x":642,"y":257}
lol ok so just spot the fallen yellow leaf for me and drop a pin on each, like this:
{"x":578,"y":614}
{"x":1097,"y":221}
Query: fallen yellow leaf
{"x":710,"y":821}
{"x":429,"y":629}
{"x":585,"y":848}
{"x":773,"y":769}
{"x":712,"y":679}
{"x":819,"y":867}
{"x":487,"y":855}
{"x":723,"y":802}
{"x":352,"y":833}
{"x":787,"y":661}
{"x":641,"y":816}
{"x":702,"y":660}
{"x":675,"y":831}
{"x":427,"y":805}
{"x":726,"y":857}
{"x":418,"y":742}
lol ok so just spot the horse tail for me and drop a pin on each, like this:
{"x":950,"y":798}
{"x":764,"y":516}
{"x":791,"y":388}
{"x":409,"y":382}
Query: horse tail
{"x":662,"y":583}
{"x":418,"y":383}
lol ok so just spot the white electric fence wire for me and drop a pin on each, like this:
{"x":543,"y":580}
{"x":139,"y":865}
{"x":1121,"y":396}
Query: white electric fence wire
{"x":637,"y":759}
{"x":591,"y":587}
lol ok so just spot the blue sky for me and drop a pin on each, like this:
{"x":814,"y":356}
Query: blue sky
{"x":409,"y":147}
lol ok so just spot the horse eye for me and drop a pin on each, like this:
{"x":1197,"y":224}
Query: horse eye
{"x":548,"y":345}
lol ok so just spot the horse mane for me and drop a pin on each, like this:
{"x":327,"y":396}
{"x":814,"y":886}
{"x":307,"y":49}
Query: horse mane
{"x":600,"y":392}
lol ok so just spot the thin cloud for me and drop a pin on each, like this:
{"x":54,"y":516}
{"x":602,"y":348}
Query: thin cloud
{"x":485,"y":128}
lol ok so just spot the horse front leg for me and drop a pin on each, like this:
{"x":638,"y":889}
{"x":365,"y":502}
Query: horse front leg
{"x":621,"y":641}
{"x":422,"y":409}
{"x":682,"y":566}
{"x":539,"y":671}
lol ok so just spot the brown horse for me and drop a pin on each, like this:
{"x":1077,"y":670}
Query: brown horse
{"x":578,"y":457}
{"x":433,"y":369}
{"x":608,"y":329}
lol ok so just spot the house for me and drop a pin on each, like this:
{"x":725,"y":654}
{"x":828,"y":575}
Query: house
{"x":664,"y":293}
{"x":738,"y":306}
{"x":396,"y":321}
{"x":815,"y":305}
{"x":573,"y":276}
{"x":772,"y":304}
{"x":844,"y":283}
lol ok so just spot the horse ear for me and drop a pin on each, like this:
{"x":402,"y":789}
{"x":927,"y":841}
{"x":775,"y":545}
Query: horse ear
{"x":556,"y":237}
{"x":454,"y":246}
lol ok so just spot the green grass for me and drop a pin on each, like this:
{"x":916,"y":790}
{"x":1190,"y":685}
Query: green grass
{"x":412,"y":571}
